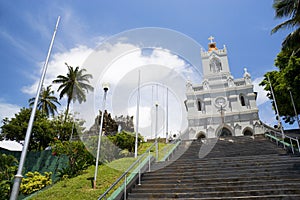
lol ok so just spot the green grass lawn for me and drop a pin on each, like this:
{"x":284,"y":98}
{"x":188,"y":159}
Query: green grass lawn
{"x":80,"y":187}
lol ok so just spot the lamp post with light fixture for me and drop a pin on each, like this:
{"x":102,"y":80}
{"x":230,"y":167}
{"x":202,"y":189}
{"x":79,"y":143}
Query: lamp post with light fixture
{"x":156,"y":129}
{"x":105,"y":87}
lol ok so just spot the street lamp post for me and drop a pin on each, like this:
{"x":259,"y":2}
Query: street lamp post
{"x":105,"y":87}
{"x":292,"y":99}
{"x":156,"y":129}
{"x":278,"y":115}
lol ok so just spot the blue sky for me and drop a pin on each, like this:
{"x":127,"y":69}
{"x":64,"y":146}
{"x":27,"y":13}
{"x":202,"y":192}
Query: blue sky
{"x":26,"y":29}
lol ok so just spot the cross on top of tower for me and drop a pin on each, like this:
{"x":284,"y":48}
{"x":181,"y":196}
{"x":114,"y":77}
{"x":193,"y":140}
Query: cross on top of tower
{"x":211,"y":38}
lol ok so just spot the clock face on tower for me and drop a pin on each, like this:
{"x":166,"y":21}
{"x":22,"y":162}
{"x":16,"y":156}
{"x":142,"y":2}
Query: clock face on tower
{"x":220,"y":101}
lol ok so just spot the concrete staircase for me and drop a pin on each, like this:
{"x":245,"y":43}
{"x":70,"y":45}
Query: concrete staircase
{"x":236,"y":168}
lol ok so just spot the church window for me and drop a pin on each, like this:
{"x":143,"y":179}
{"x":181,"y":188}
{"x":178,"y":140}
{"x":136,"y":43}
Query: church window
{"x":199,"y":105}
{"x":215,"y":65}
{"x":186,"y":107}
{"x":242,"y":100}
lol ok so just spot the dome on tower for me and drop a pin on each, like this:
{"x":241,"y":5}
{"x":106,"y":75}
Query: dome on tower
{"x":212,"y":45}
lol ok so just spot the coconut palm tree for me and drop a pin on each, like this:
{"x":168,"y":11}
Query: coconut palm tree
{"x":47,"y":101}
{"x":288,"y":9}
{"x":74,"y":85}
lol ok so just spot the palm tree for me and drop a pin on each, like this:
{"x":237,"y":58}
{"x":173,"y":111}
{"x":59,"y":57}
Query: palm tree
{"x":46,"y":102}
{"x":74,"y":85}
{"x":291,"y":10}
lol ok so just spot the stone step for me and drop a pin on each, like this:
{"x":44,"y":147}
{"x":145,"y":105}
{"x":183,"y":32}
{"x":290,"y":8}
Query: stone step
{"x":236,"y":168}
{"x":259,"y":197}
{"x":229,"y":161}
{"x":239,"y":173}
{"x":242,"y":193}
{"x":199,"y":171}
{"x":225,"y":166}
{"x":220,"y":182}
{"x":219,"y":177}
{"x":209,"y":179}
{"x":217,"y":188}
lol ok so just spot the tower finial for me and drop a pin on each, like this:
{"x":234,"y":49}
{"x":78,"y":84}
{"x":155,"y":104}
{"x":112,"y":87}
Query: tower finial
{"x":211,"y":38}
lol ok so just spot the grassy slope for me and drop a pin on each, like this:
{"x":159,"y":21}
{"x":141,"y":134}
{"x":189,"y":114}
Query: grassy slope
{"x":80,"y":187}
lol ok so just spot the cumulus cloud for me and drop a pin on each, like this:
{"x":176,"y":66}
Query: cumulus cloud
{"x":7,"y":110}
{"x":56,"y":66}
{"x":261,"y":93}
{"x":113,"y":65}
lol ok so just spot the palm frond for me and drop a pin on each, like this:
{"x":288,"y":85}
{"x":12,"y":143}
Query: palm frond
{"x":285,"y":8}
{"x":287,"y":24}
{"x":292,"y":41}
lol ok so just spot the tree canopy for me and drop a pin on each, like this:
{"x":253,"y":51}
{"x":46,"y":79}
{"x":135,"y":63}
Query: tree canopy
{"x":288,"y":9}
{"x":46,"y":101}
{"x":74,"y":85}
{"x":44,"y":130}
{"x":286,"y":80}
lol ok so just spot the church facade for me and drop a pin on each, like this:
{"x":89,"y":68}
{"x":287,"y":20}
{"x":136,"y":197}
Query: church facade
{"x":221,"y":105}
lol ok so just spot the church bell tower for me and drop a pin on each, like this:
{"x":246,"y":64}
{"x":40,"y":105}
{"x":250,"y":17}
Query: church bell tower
{"x":221,"y":105}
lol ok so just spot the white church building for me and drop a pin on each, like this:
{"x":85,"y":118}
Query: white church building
{"x":221,"y":105}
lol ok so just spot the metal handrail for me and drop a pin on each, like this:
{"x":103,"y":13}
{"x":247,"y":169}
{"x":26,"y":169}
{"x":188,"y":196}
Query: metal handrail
{"x":291,"y":139}
{"x":169,"y":151}
{"x":126,"y":172}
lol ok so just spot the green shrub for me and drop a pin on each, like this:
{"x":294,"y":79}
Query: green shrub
{"x":125,"y":140}
{"x":79,"y":157}
{"x":8,"y":168}
{"x":34,"y":181}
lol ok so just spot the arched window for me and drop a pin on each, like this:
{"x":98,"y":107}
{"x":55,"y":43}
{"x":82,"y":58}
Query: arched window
{"x":186,"y":107}
{"x":243,"y":101}
{"x":248,"y":133}
{"x":199,"y":105}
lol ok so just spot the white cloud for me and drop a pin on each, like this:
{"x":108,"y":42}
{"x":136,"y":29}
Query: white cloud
{"x":144,"y":116}
{"x":7,"y":110}
{"x":128,"y":62}
{"x":261,"y":93}
{"x":74,"y":57}
{"x":117,"y":64}
{"x":267,"y":114}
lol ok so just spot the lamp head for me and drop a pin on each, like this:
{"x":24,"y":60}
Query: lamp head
{"x":105,"y":86}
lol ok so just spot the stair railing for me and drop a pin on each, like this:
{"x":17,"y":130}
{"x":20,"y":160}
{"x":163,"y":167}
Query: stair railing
{"x":290,"y":142}
{"x":169,"y":150}
{"x":140,"y":168}
{"x":127,"y":176}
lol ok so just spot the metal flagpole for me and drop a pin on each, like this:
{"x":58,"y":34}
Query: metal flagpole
{"x":279,"y":121}
{"x":137,"y":116}
{"x":18,"y":176}
{"x":105,"y":87}
{"x":156,"y":125}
